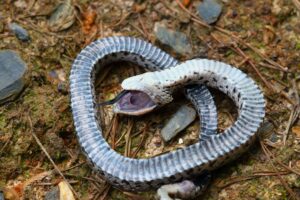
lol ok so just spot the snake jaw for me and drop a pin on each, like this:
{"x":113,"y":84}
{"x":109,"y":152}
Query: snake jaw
{"x":149,"y":84}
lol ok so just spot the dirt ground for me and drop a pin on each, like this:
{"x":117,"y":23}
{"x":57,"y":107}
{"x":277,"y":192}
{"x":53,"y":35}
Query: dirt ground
{"x":37,"y":136}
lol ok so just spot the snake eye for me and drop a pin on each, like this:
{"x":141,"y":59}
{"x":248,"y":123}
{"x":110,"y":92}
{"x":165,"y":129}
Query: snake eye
{"x":134,"y":103}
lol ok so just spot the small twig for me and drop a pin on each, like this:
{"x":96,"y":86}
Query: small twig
{"x":138,"y":29}
{"x":270,"y":66}
{"x":128,"y":138}
{"x":123,"y":18}
{"x":242,"y":62}
{"x":6,"y":143}
{"x":143,"y":139}
{"x":281,"y":164}
{"x":101,"y":29}
{"x":49,"y":157}
{"x":74,"y":166}
{"x":107,"y":133}
{"x":235,"y":46}
{"x":143,"y":27}
{"x":114,"y":131}
{"x":293,"y":116}
{"x":134,"y":196}
{"x":83,"y":177}
{"x":289,"y":190}
{"x":104,"y":193}
{"x":295,"y":91}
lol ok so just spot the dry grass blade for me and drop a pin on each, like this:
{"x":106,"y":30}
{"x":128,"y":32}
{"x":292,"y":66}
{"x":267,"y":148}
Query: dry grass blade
{"x":49,"y":157}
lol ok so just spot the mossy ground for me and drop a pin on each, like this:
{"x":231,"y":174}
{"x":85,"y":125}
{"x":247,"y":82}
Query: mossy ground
{"x":273,"y":27}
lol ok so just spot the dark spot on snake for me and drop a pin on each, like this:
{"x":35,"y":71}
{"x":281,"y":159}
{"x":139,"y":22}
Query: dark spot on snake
{"x":226,"y":86}
{"x":142,"y":58}
{"x":225,"y":78}
{"x":205,"y":82}
{"x":126,"y":53}
{"x":201,"y":77}
{"x":234,"y":90}
{"x":239,"y":96}
{"x":173,"y":177}
{"x":114,"y":55}
{"x":214,"y":79}
{"x":190,"y":171}
{"x":125,"y":182}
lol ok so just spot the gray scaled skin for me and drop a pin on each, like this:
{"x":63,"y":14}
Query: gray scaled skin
{"x":219,"y":149}
{"x":122,"y":172}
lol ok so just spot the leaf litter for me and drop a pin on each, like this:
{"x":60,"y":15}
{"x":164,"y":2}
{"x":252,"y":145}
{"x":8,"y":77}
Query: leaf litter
{"x":260,"y":37}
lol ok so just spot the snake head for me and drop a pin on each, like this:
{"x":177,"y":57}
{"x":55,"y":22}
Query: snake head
{"x":143,"y":94}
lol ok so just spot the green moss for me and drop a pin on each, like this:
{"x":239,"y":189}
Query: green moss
{"x":2,"y":121}
{"x":297,"y":45}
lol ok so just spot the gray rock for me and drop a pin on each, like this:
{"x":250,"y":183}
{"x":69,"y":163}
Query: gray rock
{"x":1,"y":196}
{"x":209,"y":10}
{"x":12,"y":70}
{"x":62,"y":17}
{"x":179,"y":121}
{"x":19,"y":31}
{"x":53,"y":194}
{"x":176,"y":40}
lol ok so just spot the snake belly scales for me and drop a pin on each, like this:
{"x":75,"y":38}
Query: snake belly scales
{"x":209,"y":153}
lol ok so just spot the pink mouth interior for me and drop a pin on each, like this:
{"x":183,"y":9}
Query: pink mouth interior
{"x":134,"y":101}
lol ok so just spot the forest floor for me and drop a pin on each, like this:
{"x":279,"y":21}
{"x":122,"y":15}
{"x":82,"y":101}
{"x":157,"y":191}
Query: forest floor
{"x":38,"y":144}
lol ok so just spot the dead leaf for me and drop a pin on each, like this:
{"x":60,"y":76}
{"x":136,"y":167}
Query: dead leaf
{"x":65,"y":192}
{"x":296,"y":131}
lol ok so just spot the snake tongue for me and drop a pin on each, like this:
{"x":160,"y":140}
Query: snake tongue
{"x":134,"y":103}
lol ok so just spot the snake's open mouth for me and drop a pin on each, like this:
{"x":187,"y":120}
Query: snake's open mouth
{"x":134,"y":103}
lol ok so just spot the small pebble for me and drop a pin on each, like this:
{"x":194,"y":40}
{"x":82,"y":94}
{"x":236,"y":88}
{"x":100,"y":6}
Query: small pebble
{"x":1,"y":196}
{"x":176,"y":40}
{"x":53,"y":194}
{"x":179,"y":121}
{"x":210,"y":10}
{"x":19,"y":31}
{"x":12,"y":69}
{"x":62,"y":17}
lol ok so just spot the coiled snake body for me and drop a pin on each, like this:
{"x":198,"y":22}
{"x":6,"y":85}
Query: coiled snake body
{"x":209,"y":153}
